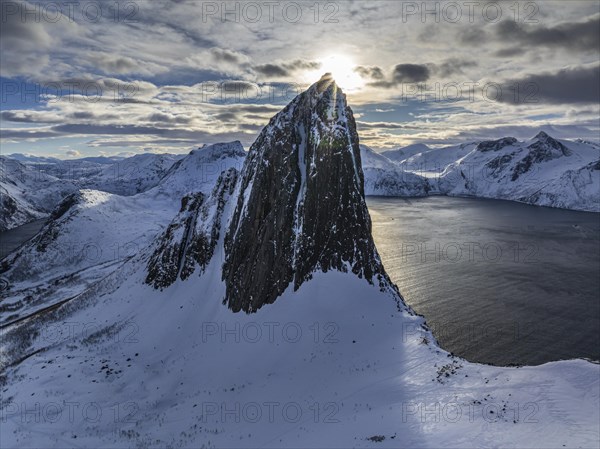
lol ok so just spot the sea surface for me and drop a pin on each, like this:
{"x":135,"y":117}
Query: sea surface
{"x":13,"y":238}
{"x":498,"y":282}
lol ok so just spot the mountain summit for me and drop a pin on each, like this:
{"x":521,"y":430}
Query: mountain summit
{"x":301,"y":206}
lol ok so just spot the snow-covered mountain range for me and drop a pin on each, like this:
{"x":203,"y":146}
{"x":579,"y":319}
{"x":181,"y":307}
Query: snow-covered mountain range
{"x":543,"y":171}
{"x":252,"y":313}
{"x":31,"y":187}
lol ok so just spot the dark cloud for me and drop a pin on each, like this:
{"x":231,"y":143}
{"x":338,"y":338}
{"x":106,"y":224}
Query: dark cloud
{"x":26,"y":117}
{"x":225,"y":55}
{"x":571,"y":85}
{"x":272,"y":70}
{"x":452,"y":66}
{"x":161,"y":117}
{"x":583,"y":36}
{"x":472,"y":36}
{"x":372,"y":72}
{"x":286,"y":68}
{"x":405,"y":73}
{"x":411,"y":73}
{"x":27,"y":134}
{"x":227,"y":116}
{"x":83,"y":115}
{"x":414,"y":73}
{"x":509,"y":52}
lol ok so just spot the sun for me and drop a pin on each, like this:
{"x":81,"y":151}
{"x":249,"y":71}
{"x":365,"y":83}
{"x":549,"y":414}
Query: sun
{"x":343,"y":70}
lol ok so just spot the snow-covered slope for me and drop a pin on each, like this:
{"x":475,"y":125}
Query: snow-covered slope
{"x":382,"y":177}
{"x":203,"y":166}
{"x":91,"y":233}
{"x":132,"y":175}
{"x":436,"y":160}
{"x":333,"y":360}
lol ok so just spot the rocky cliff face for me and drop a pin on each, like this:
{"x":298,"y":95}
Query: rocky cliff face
{"x":301,"y":205}
{"x":189,"y":241}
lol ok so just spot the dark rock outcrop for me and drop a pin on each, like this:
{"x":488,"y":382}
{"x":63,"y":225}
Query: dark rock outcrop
{"x":301,"y":206}
{"x":189,"y":241}
{"x":495,"y":145}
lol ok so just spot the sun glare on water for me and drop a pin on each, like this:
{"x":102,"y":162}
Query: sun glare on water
{"x":343,"y":70}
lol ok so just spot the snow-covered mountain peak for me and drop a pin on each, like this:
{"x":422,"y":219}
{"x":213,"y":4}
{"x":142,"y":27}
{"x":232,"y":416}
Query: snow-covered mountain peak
{"x":301,"y":207}
{"x":545,"y":148}
{"x":296,"y":208}
{"x":542,"y":135}
{"x":496,"y":145}
{"x":216,"y":151}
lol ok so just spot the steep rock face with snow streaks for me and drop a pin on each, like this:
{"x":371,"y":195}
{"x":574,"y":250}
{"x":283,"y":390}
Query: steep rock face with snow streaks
{"x":301,"y":206}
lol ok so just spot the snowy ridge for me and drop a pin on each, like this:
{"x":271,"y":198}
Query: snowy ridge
{"x":130,"y":176}
{"x":401,"y":154}
{"x":204,"y":166}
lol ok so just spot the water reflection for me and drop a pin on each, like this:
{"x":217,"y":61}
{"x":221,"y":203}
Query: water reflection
{"x":499,"y":282}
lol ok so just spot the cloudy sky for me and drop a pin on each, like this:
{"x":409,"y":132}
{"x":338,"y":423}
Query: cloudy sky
{"x":93,"y":77}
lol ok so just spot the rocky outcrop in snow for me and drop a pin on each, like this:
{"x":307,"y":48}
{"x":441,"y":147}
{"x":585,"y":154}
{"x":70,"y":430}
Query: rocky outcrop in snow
{"x":189,"y":241}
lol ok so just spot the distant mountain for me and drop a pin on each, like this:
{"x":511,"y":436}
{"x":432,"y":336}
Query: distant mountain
{"x":131,"y":175}
{"x":32,"y":159}
{"x":31,"y":187}
{"x":201,"y":168}
{"x":27,"y":194}
{"x":543,"y":171}
{"x":382,"y":177}
{"x":400,"y":154}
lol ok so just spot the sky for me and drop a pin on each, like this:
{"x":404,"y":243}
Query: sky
{"x":85,"y":78}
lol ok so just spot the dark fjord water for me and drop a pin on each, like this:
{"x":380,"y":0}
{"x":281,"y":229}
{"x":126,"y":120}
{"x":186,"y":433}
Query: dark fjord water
{"x":498,"y":282}
{"x":13,"y":238}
